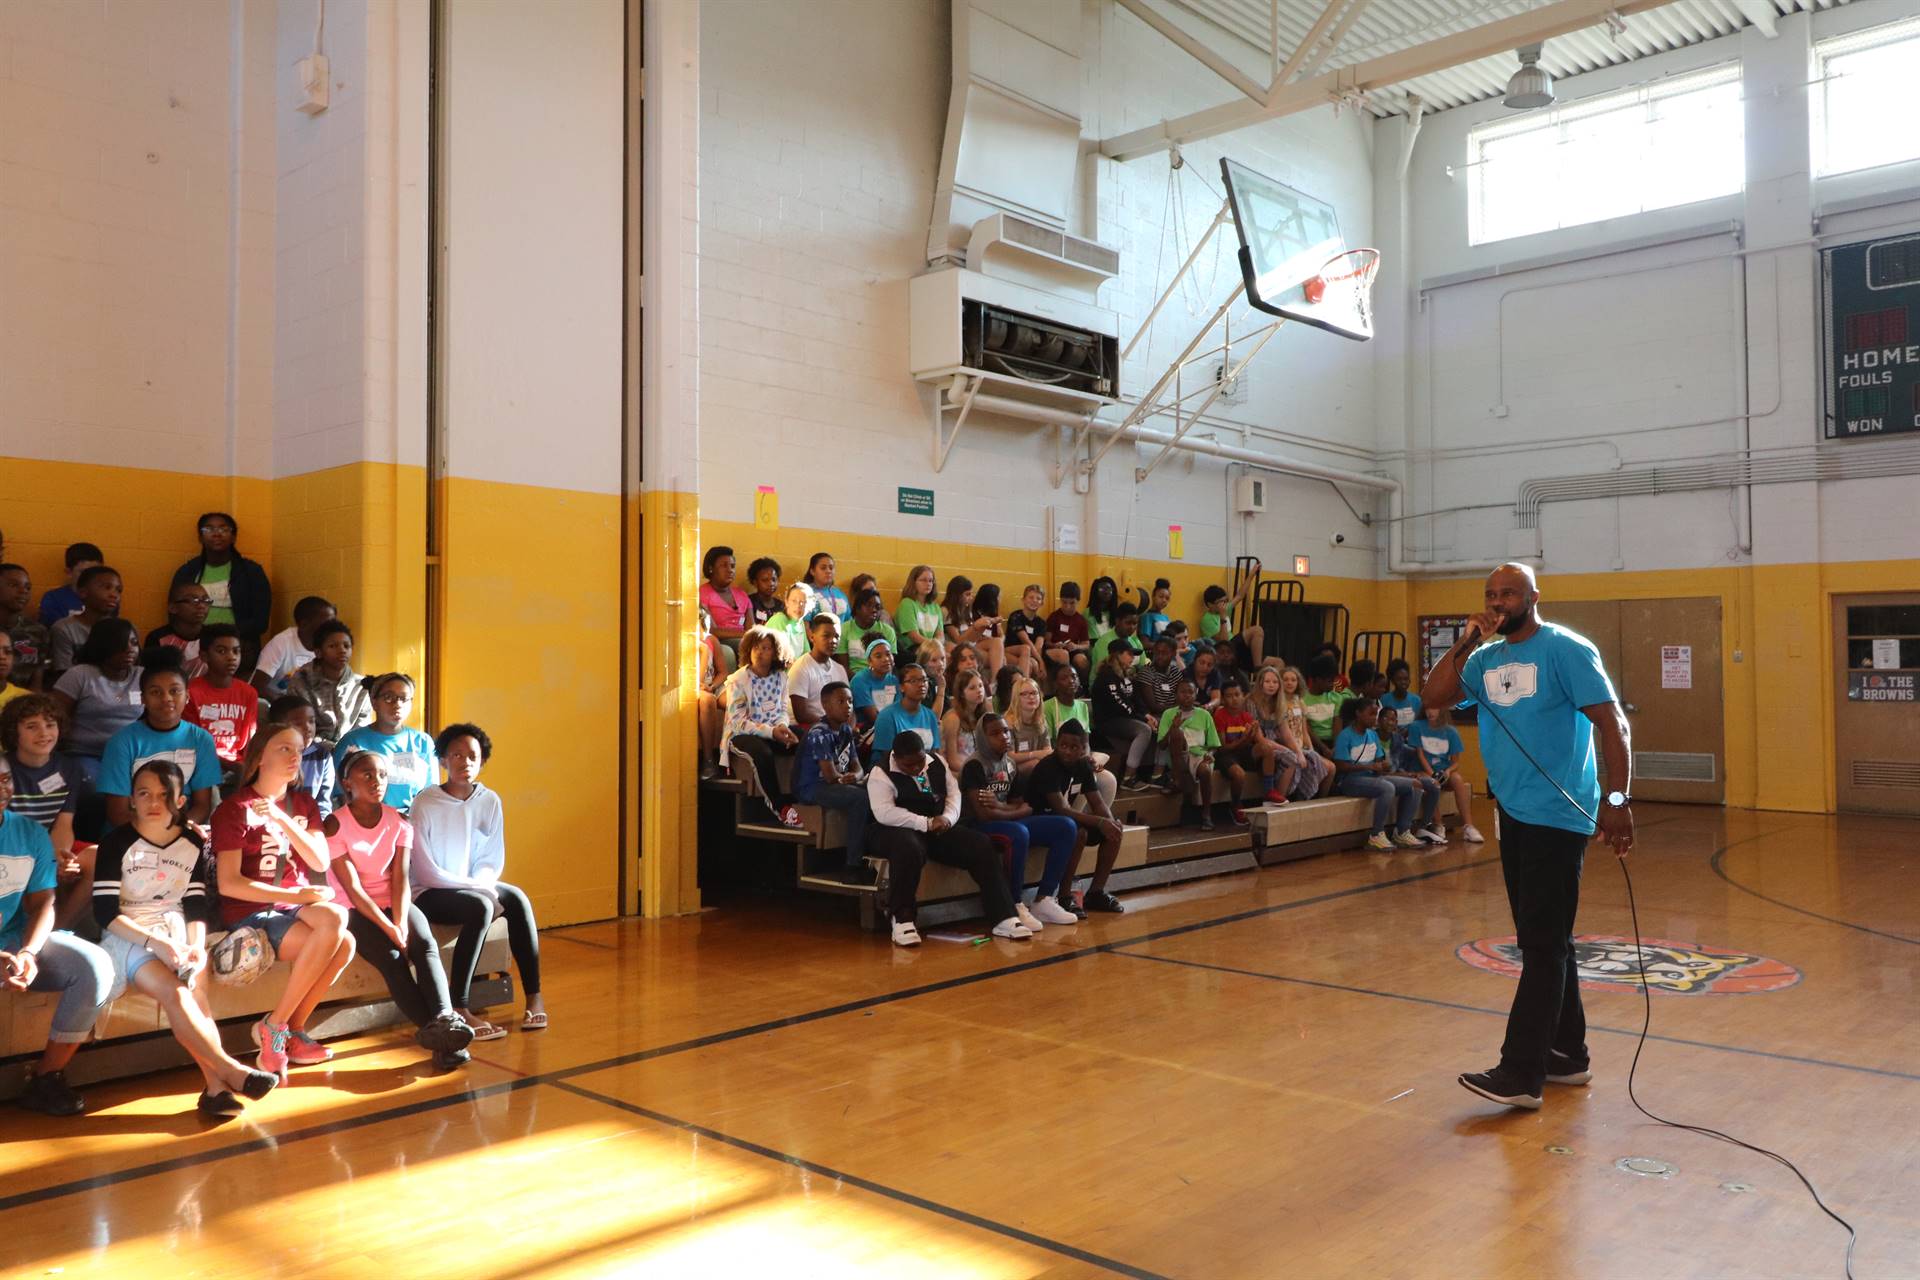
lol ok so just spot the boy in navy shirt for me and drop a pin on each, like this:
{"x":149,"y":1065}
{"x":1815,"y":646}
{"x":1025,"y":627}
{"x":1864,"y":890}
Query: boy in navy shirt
{"x":827,"y":772}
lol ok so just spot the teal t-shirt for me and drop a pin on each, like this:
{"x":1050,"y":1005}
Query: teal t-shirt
{"x":1536,"y":689}
{"x":411,"y":765}
{"x":895,"y":719}
{"x":1442,"y":745}
{"x":1357,"y":746}
{"x":187,"y":745}
{"x":1150,"y":624}
{"x":26,"y":866}
{"x":1406,"y":708}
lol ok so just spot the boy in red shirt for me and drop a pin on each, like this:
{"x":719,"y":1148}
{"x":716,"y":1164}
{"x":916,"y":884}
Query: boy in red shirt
{"x":1242,"y":745}
{"x":226,"y":707}
{"x":1067,"y":634}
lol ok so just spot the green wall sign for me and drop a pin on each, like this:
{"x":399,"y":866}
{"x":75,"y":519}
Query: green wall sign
{"x":916,"y":502}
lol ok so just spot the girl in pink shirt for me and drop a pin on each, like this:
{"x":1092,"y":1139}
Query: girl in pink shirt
{"x":370,"y":845}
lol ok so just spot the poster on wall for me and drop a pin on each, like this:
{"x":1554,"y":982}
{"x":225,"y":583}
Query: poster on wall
{"x":766,"y":507}
{"x":1176,"y":542}
{"x":1877,"y":686}
{"x":1870,"y":348}
{"x":1886,"y":654}
{"x":1436,"y":635}
{"x":1676,"y":666}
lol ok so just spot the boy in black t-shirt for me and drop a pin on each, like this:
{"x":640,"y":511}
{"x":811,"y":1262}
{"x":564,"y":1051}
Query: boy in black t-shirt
{"x":1053,"y":787}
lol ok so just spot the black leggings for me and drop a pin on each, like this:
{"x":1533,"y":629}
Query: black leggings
{"x":415,"y":980}
{"x":761,"y":751}
{"x":472,"y":910}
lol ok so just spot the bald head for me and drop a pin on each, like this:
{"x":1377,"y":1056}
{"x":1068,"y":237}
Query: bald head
{"x":1512,"y":593}
{"x":1513,"y":569}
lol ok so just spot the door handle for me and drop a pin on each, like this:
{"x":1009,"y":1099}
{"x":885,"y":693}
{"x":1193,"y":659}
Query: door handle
{"x":1628,"y":707}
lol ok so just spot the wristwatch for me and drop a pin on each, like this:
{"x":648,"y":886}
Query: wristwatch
{"x":1617,"y":799}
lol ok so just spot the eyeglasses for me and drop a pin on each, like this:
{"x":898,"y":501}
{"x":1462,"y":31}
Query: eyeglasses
{"x":206,"y":600}
{"x":216,"y":528}
{"x":394,"y":697}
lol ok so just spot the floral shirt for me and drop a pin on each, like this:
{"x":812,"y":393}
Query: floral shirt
{"x":756,"y":705}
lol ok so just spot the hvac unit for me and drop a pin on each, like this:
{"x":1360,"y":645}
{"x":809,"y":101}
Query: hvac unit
{"x":1250,"y":495}
{"x":1025,"y":343}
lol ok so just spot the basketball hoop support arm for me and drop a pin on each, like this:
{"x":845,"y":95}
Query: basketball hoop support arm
{"x":1219,"y":220}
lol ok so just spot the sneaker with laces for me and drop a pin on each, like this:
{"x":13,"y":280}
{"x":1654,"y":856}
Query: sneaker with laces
{"x":50,"y":1094}
{"x":1407,"y":840}
{"x":304,"y":1051}
{"x":1564,"y":1070}
{"x":1012,"y":928}
{"x":790,"y":817}
{"x":1101,"y":900}
{"x":1435,"y":834}
{"x":1502,"y":1086}
{"x":1025,"y":915}
{"x":904,"y":934}
{"x":1378,"y":842}
{"x":1471,"y":834}
{"x":1049,"y":911}
{"x":272,"y":1040}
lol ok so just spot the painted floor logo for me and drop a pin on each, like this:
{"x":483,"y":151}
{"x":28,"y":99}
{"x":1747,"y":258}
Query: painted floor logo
{"x":1608,"y":963}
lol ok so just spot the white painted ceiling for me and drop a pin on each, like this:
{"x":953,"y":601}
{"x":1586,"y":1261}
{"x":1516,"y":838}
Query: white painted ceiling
{"x":1384,"y":26}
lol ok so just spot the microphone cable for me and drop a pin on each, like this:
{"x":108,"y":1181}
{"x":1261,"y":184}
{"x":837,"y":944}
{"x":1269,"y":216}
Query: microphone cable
{"x":1646,"y":992}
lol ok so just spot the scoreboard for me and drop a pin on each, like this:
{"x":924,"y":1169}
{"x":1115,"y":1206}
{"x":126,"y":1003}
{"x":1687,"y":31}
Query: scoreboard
{"x":1872,"y":294}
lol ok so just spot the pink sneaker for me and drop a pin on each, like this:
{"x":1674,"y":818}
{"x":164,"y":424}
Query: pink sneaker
{"x":273,"y":1048}
{"x":1274,"y":797}
{"x":304,"y":1051}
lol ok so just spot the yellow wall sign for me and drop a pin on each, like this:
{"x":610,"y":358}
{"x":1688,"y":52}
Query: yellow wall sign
{"x":766,"y":508}
{"x":1176,"y":542}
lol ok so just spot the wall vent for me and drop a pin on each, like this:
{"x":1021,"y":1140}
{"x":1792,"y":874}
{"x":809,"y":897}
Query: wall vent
{"x":1886,"y":773}
{"x":1674,"y":766}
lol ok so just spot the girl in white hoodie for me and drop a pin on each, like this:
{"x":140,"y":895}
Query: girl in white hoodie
{"x":459,"y":849}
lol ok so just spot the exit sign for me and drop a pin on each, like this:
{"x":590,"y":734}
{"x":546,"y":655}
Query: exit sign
{"x":1302,"y":566}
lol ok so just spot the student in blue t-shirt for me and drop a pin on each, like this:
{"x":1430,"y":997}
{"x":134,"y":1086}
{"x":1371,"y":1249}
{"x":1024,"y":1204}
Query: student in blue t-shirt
{"x":827,"y":771}
{"x":160,"y":732}
{"x":1400,"y":708}
{"x":1545,"y":701}
{"x":1155,"y":617}
{"x":412,"y":763}
{"x":1362,"y":770}
{"x":910,"y":712}
{"x":35,"y":958}
{"x":874,"y":687}
{"x":1437,"y":747}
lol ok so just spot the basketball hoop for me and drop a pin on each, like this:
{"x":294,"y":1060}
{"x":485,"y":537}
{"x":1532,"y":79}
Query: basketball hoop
{"x":1357,"y":265}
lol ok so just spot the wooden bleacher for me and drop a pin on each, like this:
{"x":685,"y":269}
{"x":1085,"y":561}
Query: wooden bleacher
{"x":1155,"y":849}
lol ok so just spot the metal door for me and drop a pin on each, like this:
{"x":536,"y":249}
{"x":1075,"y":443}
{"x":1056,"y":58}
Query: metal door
{"x":1876,"y":721}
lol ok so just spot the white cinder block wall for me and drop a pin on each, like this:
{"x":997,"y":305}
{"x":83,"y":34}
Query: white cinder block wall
{"x":1637,"y":356}
{"x":136,"y":212}
{"x":821,"y":128}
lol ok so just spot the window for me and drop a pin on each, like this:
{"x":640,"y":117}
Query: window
{"x":1673,"y":142}
{"x":1865,"y":98}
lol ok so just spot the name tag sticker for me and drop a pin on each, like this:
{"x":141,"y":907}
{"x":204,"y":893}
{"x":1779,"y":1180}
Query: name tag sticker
{"x":51,"y":783}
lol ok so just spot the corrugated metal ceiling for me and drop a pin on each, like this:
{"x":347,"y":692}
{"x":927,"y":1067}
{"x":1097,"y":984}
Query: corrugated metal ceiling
{"x":1383,"y":26}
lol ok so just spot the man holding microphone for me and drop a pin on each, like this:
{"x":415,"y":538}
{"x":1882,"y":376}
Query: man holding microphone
{"x":1544,"y":696}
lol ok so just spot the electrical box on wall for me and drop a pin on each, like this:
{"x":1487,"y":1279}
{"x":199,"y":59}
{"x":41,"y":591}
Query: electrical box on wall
{"x":1250,"y":495}
{"x":312,"y":72}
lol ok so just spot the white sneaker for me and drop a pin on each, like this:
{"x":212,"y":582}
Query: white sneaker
{"x":1378,"y":841}
{"x":1408,"y":840}
{"x":1027,"y":918}
{"x":1049,"y":911}
{"x":1471,"y":834}
{"x":1012,"y":928}
{"x":904,"y":934}
{"x":1435,"y":833}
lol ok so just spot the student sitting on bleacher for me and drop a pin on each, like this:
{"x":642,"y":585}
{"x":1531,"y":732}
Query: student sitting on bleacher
{"x":1439,"y":748}
{"x":162,"y":732}
{"x":151,"y":898}
{"x":723,"y":601}
{"x":1066,"y":637}
{"x":993,"y":805}
{"x":1115,"y":718}
{"x":1064,"y":783}
{"x":371,"y":845}
{"x":1321,"y":702}
{"x":1244,"y":748}
{"x":909,"y":713}
{"x":459,"y":851}
{"x":1283,"y":755}
{"x":1399,"y":701}
{"x":868,"y":624}
{"x":266,"y":838}
{"x":1190,"y":738}
{"x":760,"y":721}
{"x":1066,"y":703}
{"x":1155,"y":676}
{"x":35,"y":958}
{"x":789,"y":626}
{"x":1126,"y":626}
{"x":101,"y":694}
{"x":827,"y":772}
{"x":1027,"y":725}
{"x":1216,"y":624}
{"x":875,"y":687}
{"x":1156,"y":617}
{"x":918,"y":621}
{"x":187,"y":607}
{"x":812,"y":672}
{"x":967,"y":625}
{"x":292,"y":649}
{"x":1315,"y":759}
{"x":1366,"y":772}
{"x":227,"y":707}
{"x":238,"y":589}
{"x":317,"y":774}
{"x":100,"y":589}
{"x":408,"y":752}
{"x":63,"y":600}
{"x":932,"y":658}
{"x":827,"y":598}
{"x":958,"y":725}
{"x":1364,"y":679}
{"x":340,"y":700}
{"x":45,"y":786}
{"x":916,"y":806}
{"x":1204,"y":674}
{"x":1026,"y":633}
{"x":30,"y":638}
{"x":1103,"y":597}
{"x":764,"y":602}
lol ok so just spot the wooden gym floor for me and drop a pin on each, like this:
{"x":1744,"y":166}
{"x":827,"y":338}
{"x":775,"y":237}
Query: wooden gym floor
{"x":1247,"y":1076}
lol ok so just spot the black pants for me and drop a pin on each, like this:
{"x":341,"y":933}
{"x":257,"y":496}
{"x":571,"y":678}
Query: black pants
{"x":760,"y":751}
{"x":414,"y":978}
{"x":472,"y":910}
{"x":1542,"y":869}
{"x":907,"y":852}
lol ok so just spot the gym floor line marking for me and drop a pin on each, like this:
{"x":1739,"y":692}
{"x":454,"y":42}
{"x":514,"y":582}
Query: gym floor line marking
{"x":1432,"y":1002}
{"x":1717,"y":863}
{"x":270,"y":1142}
{"x":866,"y":1184}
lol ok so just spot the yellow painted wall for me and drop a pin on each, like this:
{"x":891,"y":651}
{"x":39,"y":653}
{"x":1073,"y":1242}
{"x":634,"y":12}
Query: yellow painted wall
{"x":143,"y":520}
{"x":530,"y":650}
{"x":663,"y":685}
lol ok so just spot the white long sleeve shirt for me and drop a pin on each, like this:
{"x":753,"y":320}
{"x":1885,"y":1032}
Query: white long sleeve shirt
{"x":457,"y":844}
{"x":884,"y":799}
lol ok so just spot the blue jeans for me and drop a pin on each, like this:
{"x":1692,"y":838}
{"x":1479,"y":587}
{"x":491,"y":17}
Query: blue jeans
{"x":1383,"y":789}
{"x":1058,"y":834}
{"x":849,"y":800}
{"x":1429,"y":798}
{"x":83,"y":975}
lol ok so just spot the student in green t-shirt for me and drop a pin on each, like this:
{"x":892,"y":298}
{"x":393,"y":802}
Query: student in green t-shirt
{"x":868,"y":623}
{"x":1126,"y":624}
{"x":1321,"y":702}
{"x":918,"y":619}
{"x":1216,"y":624}
{"x":1066,"y":703}
{"x":790,"y":628}
{"x":1190,"y":754}
{"x":237,"y":589}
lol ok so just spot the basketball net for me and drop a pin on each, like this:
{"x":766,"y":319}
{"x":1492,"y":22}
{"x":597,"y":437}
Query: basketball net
{"x":1350,"y":269}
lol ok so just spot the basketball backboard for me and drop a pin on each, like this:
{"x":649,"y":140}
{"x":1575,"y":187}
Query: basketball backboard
{"x":1291,"y":255}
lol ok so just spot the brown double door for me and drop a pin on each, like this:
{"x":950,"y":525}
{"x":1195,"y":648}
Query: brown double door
{"x":1876,"y":722}
{"x":1664,"y":658}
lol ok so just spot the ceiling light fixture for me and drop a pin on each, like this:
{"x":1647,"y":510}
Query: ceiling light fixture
{"x":1530,"y":86}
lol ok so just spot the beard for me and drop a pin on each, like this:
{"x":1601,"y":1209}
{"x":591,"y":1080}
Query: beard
{"x":1511,"y":624}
